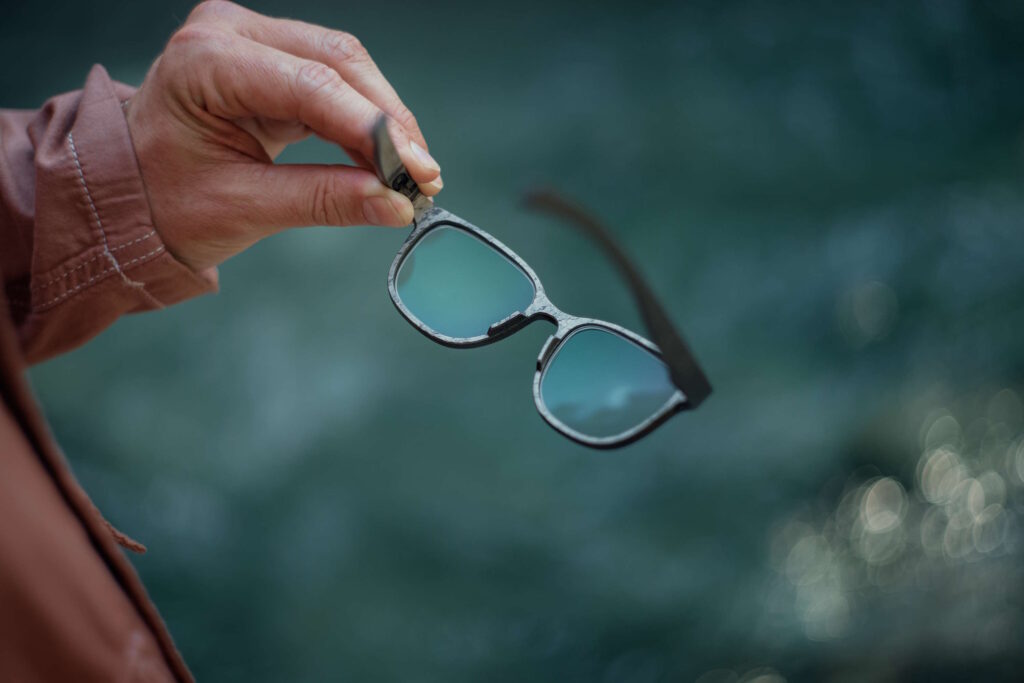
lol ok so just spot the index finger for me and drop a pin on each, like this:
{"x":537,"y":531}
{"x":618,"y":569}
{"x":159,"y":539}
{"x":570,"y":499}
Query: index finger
{"x":341,"y":51}
{"x":234,"y":77}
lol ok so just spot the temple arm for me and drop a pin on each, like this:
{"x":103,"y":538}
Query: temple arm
{"x":683,"y":368}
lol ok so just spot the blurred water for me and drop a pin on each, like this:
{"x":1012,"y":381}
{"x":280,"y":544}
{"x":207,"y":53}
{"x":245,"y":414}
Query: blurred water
{"x":830,"y":202}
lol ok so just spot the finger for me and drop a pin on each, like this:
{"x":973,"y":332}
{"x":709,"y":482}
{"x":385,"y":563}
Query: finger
{"x":269,"y":198}
{"x":429,"y":189}
{"x":233,"y":77}
{"x":398,"y":135}
{"x":339,"y":50}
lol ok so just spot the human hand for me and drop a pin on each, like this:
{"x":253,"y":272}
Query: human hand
{"x":230,"y":91}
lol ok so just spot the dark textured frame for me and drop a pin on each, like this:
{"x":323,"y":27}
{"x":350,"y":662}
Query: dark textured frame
{"x":692,"y":387}
{"x":540,"y":308}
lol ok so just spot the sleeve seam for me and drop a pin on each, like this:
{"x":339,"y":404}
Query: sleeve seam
{"x":102,"y":275}
{"x":107,"y":252}
{"x":42,"y":286}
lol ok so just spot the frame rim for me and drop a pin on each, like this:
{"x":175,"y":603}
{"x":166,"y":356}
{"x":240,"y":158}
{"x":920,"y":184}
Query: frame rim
{"x":674,"y":404}
{"x":540,"y":308}
{"x":436,"y":218}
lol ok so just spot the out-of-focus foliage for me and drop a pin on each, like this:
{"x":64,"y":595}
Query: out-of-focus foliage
{"x":830,"y":200}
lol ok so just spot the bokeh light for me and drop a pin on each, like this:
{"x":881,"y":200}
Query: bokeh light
{"x":947,"y":541}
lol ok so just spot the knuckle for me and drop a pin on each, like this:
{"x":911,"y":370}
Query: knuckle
{"x":314,"y":78}
{"x":405,"y":118}
{"x":211,"y":8}
{"x":192,"y":35}
{"x":331,"y":205}
{"x":344,"y":45}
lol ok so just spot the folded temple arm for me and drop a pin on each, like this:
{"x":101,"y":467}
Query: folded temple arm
{"x":683,"y":368}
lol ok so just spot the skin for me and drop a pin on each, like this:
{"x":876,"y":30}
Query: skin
{"x":232,"y":89}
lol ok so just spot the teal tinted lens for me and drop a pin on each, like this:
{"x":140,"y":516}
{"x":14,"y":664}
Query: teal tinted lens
{"x":459,"y":286}
{"x":601,"y":384}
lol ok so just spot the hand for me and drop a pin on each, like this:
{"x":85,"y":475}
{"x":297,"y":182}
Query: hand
{"x":230,"y":91}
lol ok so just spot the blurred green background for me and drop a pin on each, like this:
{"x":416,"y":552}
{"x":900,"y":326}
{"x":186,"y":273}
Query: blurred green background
{"x":830,"y":201}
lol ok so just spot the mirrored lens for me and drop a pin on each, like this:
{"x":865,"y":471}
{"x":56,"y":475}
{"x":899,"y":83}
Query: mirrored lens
{"x":601,"y":384}
{"x":459,"y":286}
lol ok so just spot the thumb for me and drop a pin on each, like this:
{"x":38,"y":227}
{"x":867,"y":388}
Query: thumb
{"x":275,"y":197}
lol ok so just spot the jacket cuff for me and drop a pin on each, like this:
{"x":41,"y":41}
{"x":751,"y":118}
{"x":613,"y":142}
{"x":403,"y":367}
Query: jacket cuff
{"x":127,"y":250}
{"x":95,"y":254}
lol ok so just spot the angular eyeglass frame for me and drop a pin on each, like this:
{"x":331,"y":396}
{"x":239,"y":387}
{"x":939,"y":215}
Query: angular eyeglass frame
{"x":540,"y":308}
{"x":692,"y":386}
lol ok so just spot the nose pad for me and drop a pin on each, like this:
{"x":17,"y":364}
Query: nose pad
{"x":546,"y":351}
{"x":502,"y":325}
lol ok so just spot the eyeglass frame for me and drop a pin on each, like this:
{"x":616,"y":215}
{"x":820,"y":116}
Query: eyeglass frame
{"x":541,"y":308}
{"x":692,"y":386}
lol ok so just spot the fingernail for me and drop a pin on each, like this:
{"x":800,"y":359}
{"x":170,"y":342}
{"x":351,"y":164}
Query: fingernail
{"x":423,"y":156}
{"x":436,"y":184}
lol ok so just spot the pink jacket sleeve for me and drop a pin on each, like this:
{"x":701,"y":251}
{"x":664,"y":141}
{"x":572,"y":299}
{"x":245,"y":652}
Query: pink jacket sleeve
{"x":77,"y":243}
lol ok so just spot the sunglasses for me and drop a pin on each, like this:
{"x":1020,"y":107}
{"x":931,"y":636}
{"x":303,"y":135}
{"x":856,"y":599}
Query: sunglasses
{"x":597,"y":383}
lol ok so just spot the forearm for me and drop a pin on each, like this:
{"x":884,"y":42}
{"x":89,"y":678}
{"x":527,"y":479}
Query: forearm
{"x":79,"y":245}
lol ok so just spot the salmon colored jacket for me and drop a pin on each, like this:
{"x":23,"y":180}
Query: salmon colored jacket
{"x":78,"y":249}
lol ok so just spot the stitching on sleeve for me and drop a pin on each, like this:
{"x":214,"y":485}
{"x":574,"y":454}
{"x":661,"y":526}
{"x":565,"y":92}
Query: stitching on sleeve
{"x":94,"y":278}
{"x":65,"y":274}
{"x":103,"y":234}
